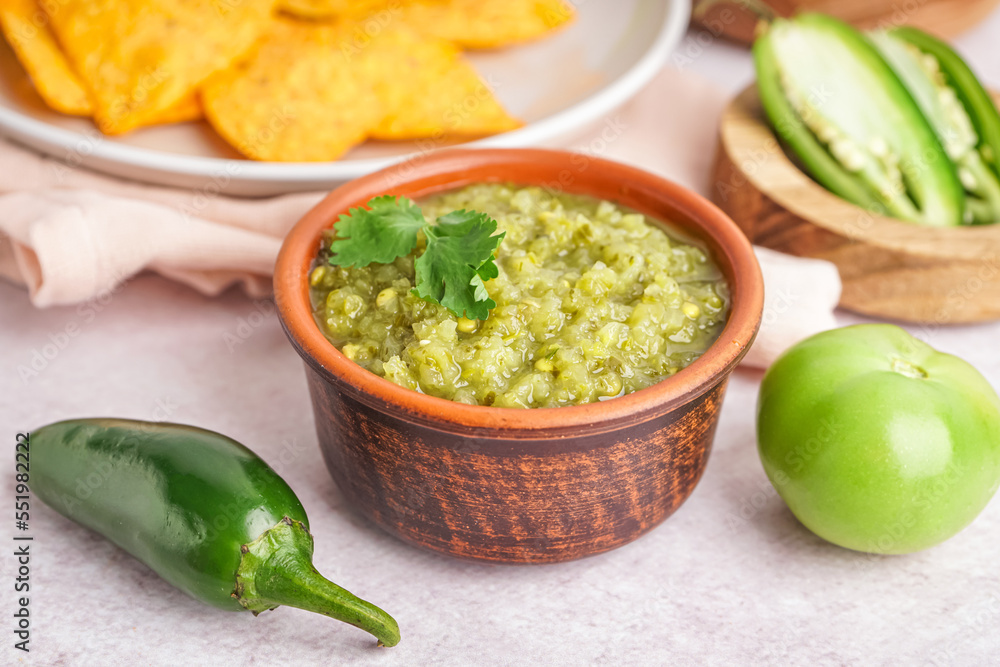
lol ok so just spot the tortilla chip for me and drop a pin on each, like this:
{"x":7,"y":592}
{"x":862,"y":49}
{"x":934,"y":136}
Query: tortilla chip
{"x":188,"y":109}
{"x":487,"y":24}
{"x":26,"y":28}
{"x":299,"y":97}
{"x":324,"y":9}
{"x":140,"y":58}
{"x":428,"y":89}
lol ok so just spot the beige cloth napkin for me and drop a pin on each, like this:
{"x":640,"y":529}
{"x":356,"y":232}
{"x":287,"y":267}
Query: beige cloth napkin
{"x":70,"y":235}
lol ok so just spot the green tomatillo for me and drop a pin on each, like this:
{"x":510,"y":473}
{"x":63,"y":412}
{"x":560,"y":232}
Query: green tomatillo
{"x":876,"y":441}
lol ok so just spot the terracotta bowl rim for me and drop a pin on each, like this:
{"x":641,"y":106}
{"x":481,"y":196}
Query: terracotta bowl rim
{"x":732,"y":250}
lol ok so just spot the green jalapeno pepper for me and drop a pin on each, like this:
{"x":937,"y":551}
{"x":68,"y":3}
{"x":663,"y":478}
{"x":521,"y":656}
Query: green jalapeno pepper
{"x":843,"y":111}
{"x":803,"y":143}
{"x":200,"y":509}
{"x":958,"y":108}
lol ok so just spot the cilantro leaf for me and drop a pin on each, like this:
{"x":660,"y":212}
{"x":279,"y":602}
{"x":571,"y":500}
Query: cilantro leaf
{"x":457,"y":261}
{"x":387,"y":229}
{"x":455,"y":265}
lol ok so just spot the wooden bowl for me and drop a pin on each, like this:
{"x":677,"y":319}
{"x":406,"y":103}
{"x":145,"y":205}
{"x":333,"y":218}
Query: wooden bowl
{"x":515,"y":485}
{"x":889,"y":268}
{"x":944,"y":18}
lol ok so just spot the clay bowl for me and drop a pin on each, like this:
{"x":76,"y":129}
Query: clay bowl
{"x":510,"y":485}
{"x":889,"y":268}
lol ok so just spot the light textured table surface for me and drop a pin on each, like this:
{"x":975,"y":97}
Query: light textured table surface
{"x":731,"y":578}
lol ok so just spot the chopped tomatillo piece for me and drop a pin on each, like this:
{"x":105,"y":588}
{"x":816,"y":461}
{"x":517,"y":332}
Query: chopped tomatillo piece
{"x":200,"y":509}
{"x":958,"y":108}
{"x":456,"y":262}
{"x":844,"y":112}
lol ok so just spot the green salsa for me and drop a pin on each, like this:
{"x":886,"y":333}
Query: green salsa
{"x":592,"y":301}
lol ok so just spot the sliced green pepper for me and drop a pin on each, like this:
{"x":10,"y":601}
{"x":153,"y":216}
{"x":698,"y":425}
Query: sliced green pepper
{"x":790,"y":127}
{"x":957,"y":106}
{"x":853,"y":124}
{"x":200,"y":509}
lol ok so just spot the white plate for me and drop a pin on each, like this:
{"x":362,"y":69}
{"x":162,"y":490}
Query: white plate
{"x":556,"y":85}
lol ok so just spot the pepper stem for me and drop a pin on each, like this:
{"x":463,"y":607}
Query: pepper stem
{"x":276,"y":569}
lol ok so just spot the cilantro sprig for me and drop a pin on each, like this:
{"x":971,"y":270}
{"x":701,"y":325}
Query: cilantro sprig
{"x":456,"y":262}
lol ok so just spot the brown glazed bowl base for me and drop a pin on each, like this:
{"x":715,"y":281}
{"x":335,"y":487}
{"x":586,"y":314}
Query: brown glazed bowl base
{"x":535,"y":501}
